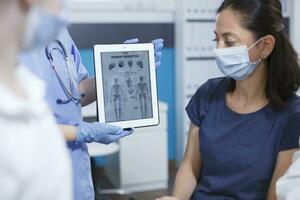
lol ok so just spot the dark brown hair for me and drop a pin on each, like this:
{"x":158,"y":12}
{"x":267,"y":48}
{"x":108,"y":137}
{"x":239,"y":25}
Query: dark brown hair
{"x":264,"y":17}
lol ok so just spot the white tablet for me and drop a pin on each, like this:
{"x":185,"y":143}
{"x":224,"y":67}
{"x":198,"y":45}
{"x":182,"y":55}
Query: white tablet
{"x":126,"y":85}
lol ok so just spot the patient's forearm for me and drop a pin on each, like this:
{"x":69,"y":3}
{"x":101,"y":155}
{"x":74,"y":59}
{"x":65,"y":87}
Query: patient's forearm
{"x":185,"y":183}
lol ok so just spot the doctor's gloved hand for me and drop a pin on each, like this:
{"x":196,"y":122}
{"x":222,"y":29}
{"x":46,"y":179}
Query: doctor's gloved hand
{"x":158,"y":46}
{"x":100,"y":132}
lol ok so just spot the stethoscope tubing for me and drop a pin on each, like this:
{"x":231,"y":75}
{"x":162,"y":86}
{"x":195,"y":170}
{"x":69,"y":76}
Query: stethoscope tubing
{"x":69,"y":94}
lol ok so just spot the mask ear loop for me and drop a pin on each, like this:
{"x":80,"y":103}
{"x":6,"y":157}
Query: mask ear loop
{"x":253,"y":45}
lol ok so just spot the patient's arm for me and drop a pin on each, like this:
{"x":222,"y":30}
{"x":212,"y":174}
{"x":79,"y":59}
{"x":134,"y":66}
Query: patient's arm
{"x":189,"y":171}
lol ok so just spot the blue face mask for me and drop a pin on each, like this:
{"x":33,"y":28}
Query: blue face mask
{"x":42,"y":27}
{"x":234,"y":62}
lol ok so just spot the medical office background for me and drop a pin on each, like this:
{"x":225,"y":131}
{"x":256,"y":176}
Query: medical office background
{"x":187,"y":29}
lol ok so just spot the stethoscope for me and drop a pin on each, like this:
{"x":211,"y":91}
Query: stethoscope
{"x":70,"y":94}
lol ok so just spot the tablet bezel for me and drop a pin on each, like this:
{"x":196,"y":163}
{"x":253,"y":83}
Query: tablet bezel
{"x":98,"y":50}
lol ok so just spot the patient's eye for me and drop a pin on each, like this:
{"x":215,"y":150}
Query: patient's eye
{"x":229,"y":43}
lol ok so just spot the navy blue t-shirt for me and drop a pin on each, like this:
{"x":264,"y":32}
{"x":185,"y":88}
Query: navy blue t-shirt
{"x":239,"y":151}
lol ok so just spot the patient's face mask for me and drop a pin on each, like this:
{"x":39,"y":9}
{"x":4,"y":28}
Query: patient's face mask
{"x":234,"y":62}
{"x":43,"y":26}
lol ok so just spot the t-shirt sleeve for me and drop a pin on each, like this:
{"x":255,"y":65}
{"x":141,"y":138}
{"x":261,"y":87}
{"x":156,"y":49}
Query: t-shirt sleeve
{"x":196,"y":108}
{"x":290,"y":138}
{"x":82,"y":73}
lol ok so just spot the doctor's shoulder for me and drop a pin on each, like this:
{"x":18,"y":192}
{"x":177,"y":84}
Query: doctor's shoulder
{"x":66,"y":39}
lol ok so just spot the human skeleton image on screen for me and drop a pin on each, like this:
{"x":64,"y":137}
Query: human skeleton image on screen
{"x":127,"y":88}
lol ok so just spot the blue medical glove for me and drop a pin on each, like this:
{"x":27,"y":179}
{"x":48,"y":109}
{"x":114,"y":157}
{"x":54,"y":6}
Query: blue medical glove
{"x":100,"y":132}
{"x":158,"y":46}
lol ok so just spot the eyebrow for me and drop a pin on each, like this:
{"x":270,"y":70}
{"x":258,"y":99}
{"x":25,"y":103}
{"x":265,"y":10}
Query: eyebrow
{"x":227,"y":34}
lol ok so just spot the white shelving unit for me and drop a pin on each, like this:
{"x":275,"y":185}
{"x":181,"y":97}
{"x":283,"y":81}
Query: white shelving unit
{"x":195,"y":62}
{"x":122,"y":11}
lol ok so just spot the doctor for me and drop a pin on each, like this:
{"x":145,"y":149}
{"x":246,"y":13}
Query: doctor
{"x":69,"y":88}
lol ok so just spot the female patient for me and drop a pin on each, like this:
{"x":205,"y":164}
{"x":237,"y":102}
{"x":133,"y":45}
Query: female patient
{"x":244,"y":127}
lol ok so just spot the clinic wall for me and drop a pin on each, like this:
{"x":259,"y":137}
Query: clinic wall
{"x":86,"y":35}
{"x":296,"y":25}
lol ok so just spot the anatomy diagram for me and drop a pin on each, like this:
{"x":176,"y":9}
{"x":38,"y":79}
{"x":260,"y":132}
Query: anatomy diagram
{"x":117,"y":94}
{"x":142,"y":94}
{"x":126,"y":85}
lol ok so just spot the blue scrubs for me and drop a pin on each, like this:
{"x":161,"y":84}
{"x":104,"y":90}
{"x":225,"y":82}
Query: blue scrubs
{"x":66,"y":114}
{"x":239,"y":151}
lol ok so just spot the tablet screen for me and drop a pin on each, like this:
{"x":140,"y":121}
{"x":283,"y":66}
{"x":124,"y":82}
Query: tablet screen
{"x":126,"y":85}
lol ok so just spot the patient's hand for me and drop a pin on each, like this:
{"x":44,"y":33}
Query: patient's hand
{"x":167,"y":198}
